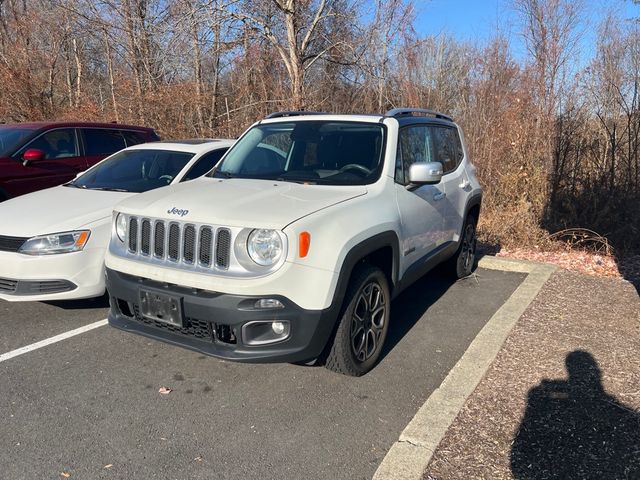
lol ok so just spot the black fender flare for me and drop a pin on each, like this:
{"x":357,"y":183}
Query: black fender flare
{"x":387,"y":239}
{"x":472,"y":201}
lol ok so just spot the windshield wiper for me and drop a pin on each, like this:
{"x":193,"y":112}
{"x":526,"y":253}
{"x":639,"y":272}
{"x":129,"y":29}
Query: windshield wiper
{"x":108,"y":189}
{"x":219,"y":174}
{"x":74,"y":185}
{"x":301,"y":181}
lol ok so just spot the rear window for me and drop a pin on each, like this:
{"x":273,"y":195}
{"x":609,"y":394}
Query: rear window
{"x":448,"y":148}
{"x":204,"y":164}
{"x":133,"y":138}
{"x":102,"y":142}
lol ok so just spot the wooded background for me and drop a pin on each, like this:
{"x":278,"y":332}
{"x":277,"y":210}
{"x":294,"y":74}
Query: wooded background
{"x":555,"y":142}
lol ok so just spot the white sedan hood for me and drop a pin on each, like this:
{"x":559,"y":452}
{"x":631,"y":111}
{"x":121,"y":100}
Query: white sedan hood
{"x":56,"y":209}
{"x":238,"y":202}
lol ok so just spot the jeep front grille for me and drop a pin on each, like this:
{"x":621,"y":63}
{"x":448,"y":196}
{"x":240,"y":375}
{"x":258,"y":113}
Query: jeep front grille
{"x":133,"y":235}
{"x":206,"y":243}
{"x":223,"y":246}
{"x":158,"y":240}
{"x":174,"y":242}
{"x":189,"y":245}
{"x":145,"y":242}
{"x":207,"y":246}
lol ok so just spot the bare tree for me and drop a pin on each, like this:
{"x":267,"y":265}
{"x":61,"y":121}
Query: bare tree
{"x":294,"y":29}
{"x":552,"y":34}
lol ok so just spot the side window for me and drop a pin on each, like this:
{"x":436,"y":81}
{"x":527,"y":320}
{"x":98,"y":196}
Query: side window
{"x":60,"y":143}
{"x":133,"y":138}
{"x":102,"y":142}
{"x":204,"y":164}
{"x":414,"y":146}
{"x":448,"y":149}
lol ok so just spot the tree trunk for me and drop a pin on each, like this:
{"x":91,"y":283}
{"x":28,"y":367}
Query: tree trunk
{"x":76,"y":56}
{"x":197,"y":69}
{"x":112,"y":85}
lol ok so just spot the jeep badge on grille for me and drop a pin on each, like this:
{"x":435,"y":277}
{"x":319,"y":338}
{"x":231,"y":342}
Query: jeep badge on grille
{"x":178,"y":211}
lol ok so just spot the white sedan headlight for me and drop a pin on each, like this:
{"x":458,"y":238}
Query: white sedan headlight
{"x":264,"y":246}
{"x":121,"y":226}
{"x":64,"y":242}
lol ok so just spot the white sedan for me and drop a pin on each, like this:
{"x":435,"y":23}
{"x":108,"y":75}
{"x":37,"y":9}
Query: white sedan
{"x":52,"y":242}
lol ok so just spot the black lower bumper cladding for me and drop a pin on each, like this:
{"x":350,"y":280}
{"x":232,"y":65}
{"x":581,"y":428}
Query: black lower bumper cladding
{"x":35,"y":287}
{"x":212,"y":322}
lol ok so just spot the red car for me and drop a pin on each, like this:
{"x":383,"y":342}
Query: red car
{"x":39,"y":155}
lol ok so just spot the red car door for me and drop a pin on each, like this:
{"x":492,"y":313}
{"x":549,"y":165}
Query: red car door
{"x":62,"y":161}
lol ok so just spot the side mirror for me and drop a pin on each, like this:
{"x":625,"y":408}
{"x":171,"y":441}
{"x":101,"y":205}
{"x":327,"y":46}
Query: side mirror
{"x":428,"y":173}
{"x":32,"y":155}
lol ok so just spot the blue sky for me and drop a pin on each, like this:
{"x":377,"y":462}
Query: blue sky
{"x":476,"y":21}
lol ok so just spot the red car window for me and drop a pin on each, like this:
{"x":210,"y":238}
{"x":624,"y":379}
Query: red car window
{"x":59,"y":143}
{"x":102,"y":142}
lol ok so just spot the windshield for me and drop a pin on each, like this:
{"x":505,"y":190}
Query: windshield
{"x":323,"y":152}
{"x":11,"y":138}
{"x":134,"y":171}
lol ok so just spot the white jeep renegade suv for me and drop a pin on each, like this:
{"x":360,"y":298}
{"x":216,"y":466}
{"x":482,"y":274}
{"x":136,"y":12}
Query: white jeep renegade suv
{"x":292,"y":248}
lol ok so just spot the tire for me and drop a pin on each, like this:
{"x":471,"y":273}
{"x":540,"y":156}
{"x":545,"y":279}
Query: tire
{"x":365,"y":311}
{"x":463,"y":261}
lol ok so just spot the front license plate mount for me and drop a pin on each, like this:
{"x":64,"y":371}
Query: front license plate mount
{"x":161,"y":307}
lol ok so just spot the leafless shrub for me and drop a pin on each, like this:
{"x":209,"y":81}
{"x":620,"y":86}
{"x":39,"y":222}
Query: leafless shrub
{"x":556,"y":145}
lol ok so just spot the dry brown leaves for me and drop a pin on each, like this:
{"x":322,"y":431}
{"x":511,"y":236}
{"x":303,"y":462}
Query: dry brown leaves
{"x":581,"y":261}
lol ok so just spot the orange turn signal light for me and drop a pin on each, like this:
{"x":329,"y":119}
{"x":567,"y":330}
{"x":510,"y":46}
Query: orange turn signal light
{"x":304,"y":244}
{"x":82,"y":239}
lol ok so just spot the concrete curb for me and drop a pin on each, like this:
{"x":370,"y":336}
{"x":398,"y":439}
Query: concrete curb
{"x":410,"y":455}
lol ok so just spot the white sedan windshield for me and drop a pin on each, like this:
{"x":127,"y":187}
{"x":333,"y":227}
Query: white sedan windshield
{"x":134,"y":171}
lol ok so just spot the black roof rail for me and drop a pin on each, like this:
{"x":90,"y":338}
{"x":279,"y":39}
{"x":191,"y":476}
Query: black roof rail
{"x":293,"y":113}
{"x":398,"y":112}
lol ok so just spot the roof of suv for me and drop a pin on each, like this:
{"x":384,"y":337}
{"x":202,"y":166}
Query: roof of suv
{"x":44,"y":125}
{"x":404,"y":116}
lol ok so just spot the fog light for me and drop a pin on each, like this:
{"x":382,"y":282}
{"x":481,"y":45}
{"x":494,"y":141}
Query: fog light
{"x":265,"y":332}
{"x":267,"y":303}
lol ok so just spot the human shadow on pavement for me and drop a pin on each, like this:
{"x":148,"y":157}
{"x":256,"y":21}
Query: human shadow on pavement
{"x":573,"y":429}
{"x":409,"y":307}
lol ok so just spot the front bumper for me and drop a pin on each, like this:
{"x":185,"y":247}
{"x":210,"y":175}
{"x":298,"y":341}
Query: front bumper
{"x":213,"y":322}
{"x":52,"y":277}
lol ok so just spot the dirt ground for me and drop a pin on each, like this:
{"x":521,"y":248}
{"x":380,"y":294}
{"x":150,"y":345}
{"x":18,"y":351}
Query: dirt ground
{"x":562,"y":398}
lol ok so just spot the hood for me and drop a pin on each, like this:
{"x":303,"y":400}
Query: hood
{"x":238,"y":202}
{"x":56,"y":209}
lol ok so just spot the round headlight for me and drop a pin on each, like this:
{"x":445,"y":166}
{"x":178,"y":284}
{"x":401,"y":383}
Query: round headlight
{"x":121,"y":226}
{"x":264,"y":247}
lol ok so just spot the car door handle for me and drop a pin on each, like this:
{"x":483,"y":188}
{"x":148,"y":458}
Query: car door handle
{"x":439,"y":196}
{"x":465,"y":184}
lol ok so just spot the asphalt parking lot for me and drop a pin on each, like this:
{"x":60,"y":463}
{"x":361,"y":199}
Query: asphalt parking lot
{"x":88,"y":406}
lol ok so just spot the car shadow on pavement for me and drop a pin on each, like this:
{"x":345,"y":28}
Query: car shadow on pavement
{"x":83,"y":304}
{"x":573,"y":429}
{"x":411,"y":305}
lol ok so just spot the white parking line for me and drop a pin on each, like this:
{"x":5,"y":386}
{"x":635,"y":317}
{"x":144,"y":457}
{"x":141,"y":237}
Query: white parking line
{"x":49,"y":341}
